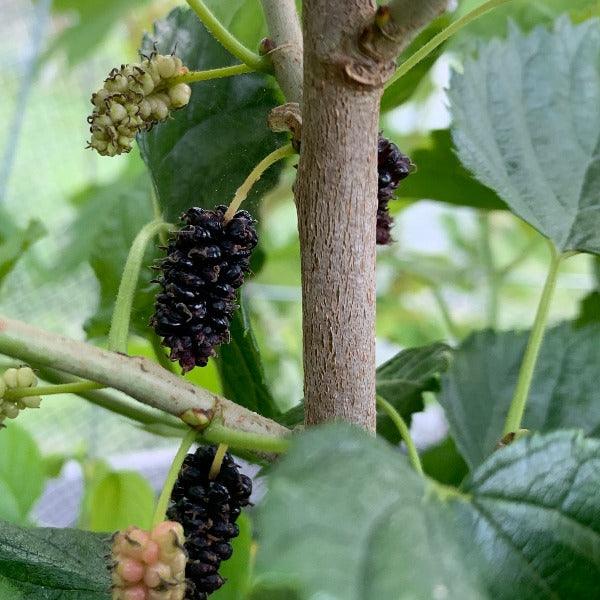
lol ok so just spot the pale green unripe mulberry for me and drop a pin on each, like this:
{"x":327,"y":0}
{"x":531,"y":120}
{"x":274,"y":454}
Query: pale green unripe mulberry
{"x":133,"y":99}
{"x":12,"y":378}
{"x":180,"y":95}
{"x":166,"y":66}
{"x":10,"y":410}
{"x":26,"y":377}
{"x":31,"y":401}
{"x":117,"y":112}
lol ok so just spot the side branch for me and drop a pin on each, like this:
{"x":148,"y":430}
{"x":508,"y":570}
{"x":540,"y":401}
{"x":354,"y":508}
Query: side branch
{"x":136,"y":376}
{"x":286,"y":54}
{"x":397,"y":24}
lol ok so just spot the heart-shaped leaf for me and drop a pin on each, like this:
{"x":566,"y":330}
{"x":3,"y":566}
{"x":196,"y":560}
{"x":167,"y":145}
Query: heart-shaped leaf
{"x":532,"y":525}
{"x":120,"y":499}
{"x":54,"y":564}
{"x":526,"y":122}
{"x":478,"y":388}
{"x":362,"y":527}
{"x":21,"y":471}
{"x":440,"y":176}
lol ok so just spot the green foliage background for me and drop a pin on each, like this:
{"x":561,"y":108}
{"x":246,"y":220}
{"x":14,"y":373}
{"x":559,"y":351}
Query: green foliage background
{"x":461,"y":263}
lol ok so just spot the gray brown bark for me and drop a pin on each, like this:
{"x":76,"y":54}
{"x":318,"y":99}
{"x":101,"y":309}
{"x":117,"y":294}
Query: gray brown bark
{"x":336,"y":196}
{"x":397,"y":25}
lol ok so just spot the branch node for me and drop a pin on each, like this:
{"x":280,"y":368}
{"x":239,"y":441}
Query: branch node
{"x":197,"y":418}
{"x":287,"y":117}
{"x":369,"y":73}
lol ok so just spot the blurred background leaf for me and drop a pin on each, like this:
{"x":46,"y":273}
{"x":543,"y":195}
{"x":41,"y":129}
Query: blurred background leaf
{"x":90,"y":22}
{"x":21,"y":473}
{"x":120,"y":499}
{"x":14,"y":244}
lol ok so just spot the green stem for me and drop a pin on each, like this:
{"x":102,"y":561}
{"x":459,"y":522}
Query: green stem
{"x":230,"y":42}
{"x":256,"y":173}
{"x":441,"y":37}
{"x":519,"y":401}
{"x":48,"y":390}
{"x":216,"y":433}
{"x":194,"y":76}
{"x":217,"y":462}
{"x":491,"y":273}
{"x":119,"y":327}
{"x":161,"y":357}
{"x":163,"y":236}
{"x":111,"y":400}
{"x":165,"y":495}
{"x":394,"y":415}
{"x":445,"y":311}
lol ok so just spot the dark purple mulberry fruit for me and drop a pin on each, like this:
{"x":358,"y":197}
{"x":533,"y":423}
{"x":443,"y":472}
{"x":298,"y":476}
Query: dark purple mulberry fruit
{"x":208,"y":509}
{"x":392,"y":168}
{"x":206,"y":261}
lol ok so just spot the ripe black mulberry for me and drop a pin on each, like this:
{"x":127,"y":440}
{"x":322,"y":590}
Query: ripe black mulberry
{"x":392,"y":167}
{"x":208,"y":509}
{"x":206,"y":261}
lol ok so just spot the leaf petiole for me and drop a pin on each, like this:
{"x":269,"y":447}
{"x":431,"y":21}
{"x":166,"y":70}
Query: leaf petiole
{"x":256,"y":173}
{"x":165,"y":495}
{"x":394,"y":415}
{"x":119,"y":326}
{"x":229,"y":41}
{"x":49,"y":390}
{"x":221,"y":72}
{"x":216,"y":433}
{"x":441,"y":37}
{"x":519,"y":401}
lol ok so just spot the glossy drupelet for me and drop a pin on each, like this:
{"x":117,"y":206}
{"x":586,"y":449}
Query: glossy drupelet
{"x":206,"y":261}
{"x":207,"y":510}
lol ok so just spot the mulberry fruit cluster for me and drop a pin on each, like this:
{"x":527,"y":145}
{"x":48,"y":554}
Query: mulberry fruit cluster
{"x":133,"y":99}
{"x":22,"y":377}
{"x":149,"y":565}
{"x":392,"y":168}
{"x":208,"y":509}
{"x":206,"y":262}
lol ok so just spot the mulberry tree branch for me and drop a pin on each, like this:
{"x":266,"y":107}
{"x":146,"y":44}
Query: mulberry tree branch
{"x":286,"y":36}
{"x":138,"y":377}
{"x":348,"y":56}
{"x":336,"y":196}
{"x":397,"y":24}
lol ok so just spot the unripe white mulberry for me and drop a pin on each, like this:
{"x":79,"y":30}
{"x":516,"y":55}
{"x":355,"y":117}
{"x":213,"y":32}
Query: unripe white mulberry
{"x":133,"y":99}
{"x":180,"y":95}
{"x":10,"y":378}
{"x":166,"y":66}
